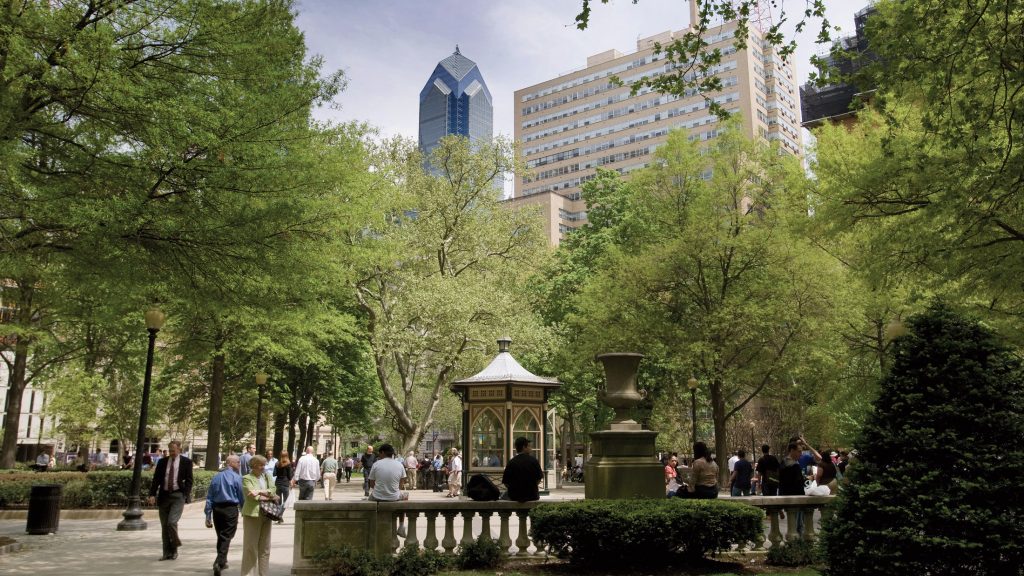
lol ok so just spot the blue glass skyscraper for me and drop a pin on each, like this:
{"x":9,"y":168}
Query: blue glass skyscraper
{"x":455,"y":100}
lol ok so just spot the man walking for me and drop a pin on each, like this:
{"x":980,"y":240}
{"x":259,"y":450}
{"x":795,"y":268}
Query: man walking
{"x":329,"y":469}
{"x":454,"y":474}
{"x":250,"y":451}
{"x":411,"y":463}
{"x":739,"y":478}
{"x":170,"y":490}
{"x":768,"y":472}
{"x":223,"y":499}
{"x":436,"y":467}
{"x":522,"y":474}
{"x":367,"y":460}
{"x":307,"y":472}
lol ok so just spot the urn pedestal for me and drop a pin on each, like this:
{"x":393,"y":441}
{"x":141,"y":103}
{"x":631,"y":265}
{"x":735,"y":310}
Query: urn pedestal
{"x":623,"y":461}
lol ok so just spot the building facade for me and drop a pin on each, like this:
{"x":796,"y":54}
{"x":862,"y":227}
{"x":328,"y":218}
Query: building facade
{"x":569,"y":126}
{"x":838,"y":103}
{"x":455,"y":101}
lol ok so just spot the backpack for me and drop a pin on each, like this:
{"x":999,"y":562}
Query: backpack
{"x":482,"y":489}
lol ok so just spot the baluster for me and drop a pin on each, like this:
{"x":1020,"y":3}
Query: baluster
{"x":774,"y":534}
{"x":467,"y":528}
{"x":791,"y":533}
{"x":485,"y":524}
{"x":523,"y":540}
{"x":504,"y":540}
{"x":757,"y":544}
{"x":394,"y":532}
{"x":411,"y":538}
{"x":448,"y":542}
{"x":430,"y":542}
{"x":808,"y":534}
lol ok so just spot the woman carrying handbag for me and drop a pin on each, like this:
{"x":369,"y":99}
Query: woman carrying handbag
{"x":258,"y":487}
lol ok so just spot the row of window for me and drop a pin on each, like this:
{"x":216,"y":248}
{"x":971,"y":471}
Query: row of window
{"x":713,"y":39}
{"x":608,"y":115}
{"x":594,"y":90}
{"x":600,"y":161}
{"x":658,"y":116}
{"x":577,"y":182}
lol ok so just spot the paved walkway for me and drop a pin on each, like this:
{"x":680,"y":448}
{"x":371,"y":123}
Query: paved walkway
{"x":95,"y":547}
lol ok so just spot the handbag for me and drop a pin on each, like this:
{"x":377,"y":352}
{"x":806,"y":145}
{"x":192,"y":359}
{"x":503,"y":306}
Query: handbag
{"x":272,"y":510}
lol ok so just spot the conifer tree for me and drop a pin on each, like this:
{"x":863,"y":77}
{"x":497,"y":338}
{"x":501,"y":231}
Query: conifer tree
{"x":935,"y":489}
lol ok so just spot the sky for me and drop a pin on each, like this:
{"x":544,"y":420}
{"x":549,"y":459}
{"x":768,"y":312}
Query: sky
{"x":388,"y":48}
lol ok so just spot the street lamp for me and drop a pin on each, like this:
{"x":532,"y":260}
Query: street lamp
{"x":133,"y":514}
{"x":261,"y":434}
{"x":692,"y":384}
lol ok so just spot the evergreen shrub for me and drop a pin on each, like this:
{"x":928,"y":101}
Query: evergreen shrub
{"x":481,"y":554}
{"x":347,"y":561}
{"x":793,"y":553}
{"x":99,"y":489}
{"x":935,"y":488}
{"x":635,"y":531}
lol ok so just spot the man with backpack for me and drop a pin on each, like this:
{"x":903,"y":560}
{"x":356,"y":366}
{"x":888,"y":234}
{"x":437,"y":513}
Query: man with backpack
{"x":768,"y":472}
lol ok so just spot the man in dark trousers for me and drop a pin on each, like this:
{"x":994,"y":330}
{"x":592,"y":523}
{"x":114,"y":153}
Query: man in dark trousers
{"x":367,"y":460}
{"x":171,"y":489}
{"x":522,"y":474}
{"x":223,"y":500}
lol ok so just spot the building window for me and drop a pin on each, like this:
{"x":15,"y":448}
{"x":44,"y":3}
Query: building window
{"x":488,"y":439}
{"x":526,"y":425}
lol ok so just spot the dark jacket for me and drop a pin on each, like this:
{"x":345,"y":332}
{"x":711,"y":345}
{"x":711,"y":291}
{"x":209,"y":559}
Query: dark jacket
{"x":184,"y":480}
{"x":521,"y":477}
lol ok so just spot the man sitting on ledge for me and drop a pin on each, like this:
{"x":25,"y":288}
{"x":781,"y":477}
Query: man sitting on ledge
{"x":522,"y":474}
{"x":384,"y":479}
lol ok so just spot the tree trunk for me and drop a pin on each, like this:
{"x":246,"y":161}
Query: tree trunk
{"x":279,"y":419}
{"x":293,"y":415}
{"x":721,"y":441}
{"x":15,"y":390}
{"x":302,"y":432}
{"x":311,"y":430}
{"x":213,"y":422}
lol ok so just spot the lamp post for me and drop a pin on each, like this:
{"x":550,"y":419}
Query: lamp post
{"x":261,"y":435}
{"x":692,"y":385}
{"x":133,"y":514}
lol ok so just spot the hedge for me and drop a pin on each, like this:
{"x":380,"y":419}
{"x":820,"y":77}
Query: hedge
{"x":99,"y":489}
{"x":617,"y":531}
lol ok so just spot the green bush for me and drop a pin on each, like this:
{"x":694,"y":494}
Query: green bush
{"x":99,"y":489}
{"x":936,"y":485}
{"x":346,"y":561}
{"x":794,"y":553}
{"x":613,"y":531}
{"x":481,"y":554}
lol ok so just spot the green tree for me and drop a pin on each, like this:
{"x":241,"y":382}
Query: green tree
{"x":720,"y":283}
{"x":438,"y":271}
{"x":934,"y":487}
{"x":166,"y":144}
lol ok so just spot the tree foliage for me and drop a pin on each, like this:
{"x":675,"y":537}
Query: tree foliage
{"x":438,"y":271}
{"x":934,"y":488}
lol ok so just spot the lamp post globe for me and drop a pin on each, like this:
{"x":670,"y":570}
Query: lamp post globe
{"x":692,"y":385}
{"x":133,"y":514}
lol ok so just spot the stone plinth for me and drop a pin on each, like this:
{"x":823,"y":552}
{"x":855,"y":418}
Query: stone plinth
{"x":623,"y":465}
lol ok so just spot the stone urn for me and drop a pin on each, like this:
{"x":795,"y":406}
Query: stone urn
{"x":620,"y":372}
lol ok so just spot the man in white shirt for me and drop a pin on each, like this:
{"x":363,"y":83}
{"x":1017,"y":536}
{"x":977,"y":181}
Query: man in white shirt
{"x":732,"y":462}
{"x":411,"y":463}
{"x":307,"y":472}
{"x":454,"y":474}
{"x":385,"y":478}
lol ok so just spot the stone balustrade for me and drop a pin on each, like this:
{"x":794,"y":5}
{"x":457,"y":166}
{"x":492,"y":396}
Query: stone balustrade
{"x":445,"y":525}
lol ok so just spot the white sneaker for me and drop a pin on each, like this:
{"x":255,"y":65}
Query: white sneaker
{"x":401,"y":531}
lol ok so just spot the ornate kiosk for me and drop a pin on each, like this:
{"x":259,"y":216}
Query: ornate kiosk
{"x":499,"y":404}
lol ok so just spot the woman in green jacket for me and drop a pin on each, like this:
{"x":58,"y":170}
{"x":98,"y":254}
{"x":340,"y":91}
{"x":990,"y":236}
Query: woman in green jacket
{"x":257,"y":486}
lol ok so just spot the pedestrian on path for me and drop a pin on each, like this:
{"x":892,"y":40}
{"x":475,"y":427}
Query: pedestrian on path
{"x":250,"y":450}
{"x":350,"y":463}
{"x":255,"y":526}
{"x":223,"y":499}
{"x":307,"y":472}
{"x":367,"y":460}
{"x":454,"y":474}
{"x":411,"y":463}
{"x":329,"y":470}
{"x":171,"y":489}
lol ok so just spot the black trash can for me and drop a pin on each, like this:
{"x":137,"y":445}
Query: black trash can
{"x":43,"y":509}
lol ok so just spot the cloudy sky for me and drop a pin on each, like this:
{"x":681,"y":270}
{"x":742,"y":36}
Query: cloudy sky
{"x":388,"y":48}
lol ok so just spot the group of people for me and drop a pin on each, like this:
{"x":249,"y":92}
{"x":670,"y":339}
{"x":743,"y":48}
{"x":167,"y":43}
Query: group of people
{"x":437,"y":473}
{"x":803,"y":470}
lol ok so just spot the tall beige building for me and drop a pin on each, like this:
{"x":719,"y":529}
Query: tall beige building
{"x":570,"y":125}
